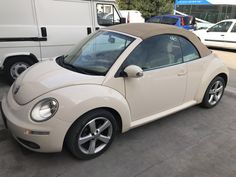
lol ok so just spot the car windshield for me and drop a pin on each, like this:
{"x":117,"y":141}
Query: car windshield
{"x":98,"y":54}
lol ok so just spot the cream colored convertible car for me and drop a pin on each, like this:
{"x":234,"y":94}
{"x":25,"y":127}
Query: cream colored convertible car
{"x":117,"y":79}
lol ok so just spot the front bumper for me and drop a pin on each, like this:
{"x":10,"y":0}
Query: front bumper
{"x":41,"y":137}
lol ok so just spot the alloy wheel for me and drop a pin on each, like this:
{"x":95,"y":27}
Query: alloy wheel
{"x":95,"y":135}
{"x":216,"y":92}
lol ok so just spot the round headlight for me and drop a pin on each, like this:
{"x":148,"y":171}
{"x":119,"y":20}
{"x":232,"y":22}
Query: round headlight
{"x":44,"y":110}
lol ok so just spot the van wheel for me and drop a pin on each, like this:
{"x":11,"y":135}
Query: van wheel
{"x":92,"y":134}
{"x":214,"y":93}
{"x":15,"y":66}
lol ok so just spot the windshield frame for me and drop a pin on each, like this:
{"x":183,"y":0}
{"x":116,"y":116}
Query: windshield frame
{"x":75,"y":54}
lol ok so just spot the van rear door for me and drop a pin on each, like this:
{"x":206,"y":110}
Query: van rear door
{"x":63,"y":23}
{"x":18,"y":29}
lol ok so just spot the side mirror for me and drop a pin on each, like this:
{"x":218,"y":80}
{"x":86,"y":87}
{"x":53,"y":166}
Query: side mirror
{"x":133,"y":71}
{"x":122,"y":20}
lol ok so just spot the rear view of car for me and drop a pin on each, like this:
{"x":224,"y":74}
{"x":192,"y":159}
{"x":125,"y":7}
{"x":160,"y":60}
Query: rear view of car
{"x":185,"y":22}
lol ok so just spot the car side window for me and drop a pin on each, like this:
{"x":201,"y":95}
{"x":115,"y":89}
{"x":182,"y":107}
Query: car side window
{"x":156,"y":52}
{"x":154,"y":20}
{"x":234,"y":29}
{"x":220,"y":27}
{"x":188,"y":49}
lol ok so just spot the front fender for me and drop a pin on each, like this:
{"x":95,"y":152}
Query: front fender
{"x":74,"y":101}
{"x":215,"y":67}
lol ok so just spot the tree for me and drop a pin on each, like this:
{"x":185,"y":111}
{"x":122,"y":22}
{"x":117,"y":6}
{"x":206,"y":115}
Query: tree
{"x":127,"y":4}
{"x":148,"y":8}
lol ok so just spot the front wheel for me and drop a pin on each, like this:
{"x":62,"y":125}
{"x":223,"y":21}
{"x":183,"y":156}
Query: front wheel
{"x":92,"y":134}
{"x":214,"y":92}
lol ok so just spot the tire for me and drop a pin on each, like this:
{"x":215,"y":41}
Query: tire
{"x":91,"y":126}
{"x":214,"y":93}
{"x":15,"y":66}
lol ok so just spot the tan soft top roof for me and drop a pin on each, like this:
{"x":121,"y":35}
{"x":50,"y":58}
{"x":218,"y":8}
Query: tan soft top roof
{"x":147,"y":30}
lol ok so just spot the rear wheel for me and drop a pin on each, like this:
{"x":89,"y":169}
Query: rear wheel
{"x":15,"y":66}
{"x":92,"y":134}
{"x":214,"y":92}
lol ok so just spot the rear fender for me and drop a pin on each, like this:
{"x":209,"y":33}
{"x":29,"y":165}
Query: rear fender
{"x":215,"y":67}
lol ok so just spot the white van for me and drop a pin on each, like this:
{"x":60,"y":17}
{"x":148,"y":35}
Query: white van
{"x":132,"y":16}
{"x":34,"y":30}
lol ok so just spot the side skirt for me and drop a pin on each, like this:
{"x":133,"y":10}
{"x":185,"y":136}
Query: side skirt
{"x":162,"y":114}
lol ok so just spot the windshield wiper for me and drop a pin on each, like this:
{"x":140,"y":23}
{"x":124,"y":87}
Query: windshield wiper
{"x":61,"y":61}
{"x":72,"y":67}
{"x":91,"y":72}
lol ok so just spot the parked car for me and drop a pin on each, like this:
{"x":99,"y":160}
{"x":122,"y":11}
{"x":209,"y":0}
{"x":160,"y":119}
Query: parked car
{"x":185,"y":22}
{"x":132,"y":16}
{"x":222,"y":35}
{"x":35,"y":30}
{"x":119,"y":78}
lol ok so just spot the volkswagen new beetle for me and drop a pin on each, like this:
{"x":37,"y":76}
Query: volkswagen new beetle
{"x":117,"y":79}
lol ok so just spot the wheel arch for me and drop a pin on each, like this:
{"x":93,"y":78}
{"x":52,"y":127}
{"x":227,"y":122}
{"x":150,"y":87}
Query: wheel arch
{"x":109,"y":109}
{"x":224,"y":76}
{"x":206,"y":81}
{"x":18,"y":55}
{"x":114,"y":112}
{"x":93,"y":97}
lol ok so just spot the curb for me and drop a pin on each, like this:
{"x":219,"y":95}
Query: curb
{"x":230,"y":91}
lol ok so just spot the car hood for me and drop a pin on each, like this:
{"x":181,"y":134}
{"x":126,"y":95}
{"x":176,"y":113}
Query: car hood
{"x":45,"y":77}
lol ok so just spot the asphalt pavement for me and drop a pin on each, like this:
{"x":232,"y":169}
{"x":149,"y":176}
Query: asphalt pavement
{"x":232,"y":79}
{"x":195,"y":142}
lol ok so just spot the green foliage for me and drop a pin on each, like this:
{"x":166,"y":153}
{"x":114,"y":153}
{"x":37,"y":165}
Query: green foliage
{"x":148,"y":8}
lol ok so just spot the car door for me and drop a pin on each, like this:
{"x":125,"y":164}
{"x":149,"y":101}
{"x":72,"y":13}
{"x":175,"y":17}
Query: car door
{"x":195,"y":66}
{"x":215,"y":36}
{"x":163,"y":84}
{"x":230,"y":37}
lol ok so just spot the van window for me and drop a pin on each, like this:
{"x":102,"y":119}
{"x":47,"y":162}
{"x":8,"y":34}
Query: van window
{"x":107,"y":15}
